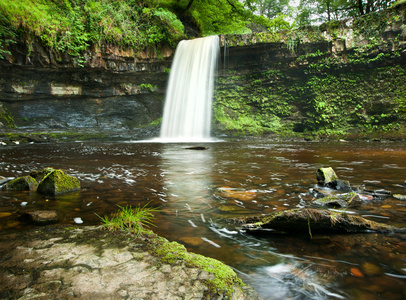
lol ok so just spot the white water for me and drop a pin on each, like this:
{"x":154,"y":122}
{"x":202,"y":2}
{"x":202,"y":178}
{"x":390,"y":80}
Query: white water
{"x":188,"y":102}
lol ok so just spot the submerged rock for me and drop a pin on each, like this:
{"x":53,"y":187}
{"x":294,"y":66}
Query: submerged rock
{"x":25,"y":183}
{"x":42,"y":216}
{"x":308,"y":221}
{"x":57,"y":182}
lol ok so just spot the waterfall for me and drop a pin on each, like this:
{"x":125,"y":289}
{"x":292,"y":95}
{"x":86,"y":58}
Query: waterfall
{"x":188,"y":101}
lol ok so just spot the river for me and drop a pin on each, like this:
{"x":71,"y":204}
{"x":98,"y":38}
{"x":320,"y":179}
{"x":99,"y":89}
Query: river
{"x":199,"y":191}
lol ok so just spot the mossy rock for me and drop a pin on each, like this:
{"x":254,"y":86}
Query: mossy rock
{"x":308,"y":221}
{"x":57,"y":182}
{"x":326,"y":175}
{"x":39,"y":175}
{"x":25,"y":183}
{"x":221,"y":279}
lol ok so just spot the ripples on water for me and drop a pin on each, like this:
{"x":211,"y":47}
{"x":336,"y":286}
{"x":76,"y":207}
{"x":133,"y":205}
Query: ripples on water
{"x":197,"y":191}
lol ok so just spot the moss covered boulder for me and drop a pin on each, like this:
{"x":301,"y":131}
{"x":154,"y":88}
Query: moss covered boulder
{"x":57,"y":182}
{"x":326,"y":175}
{"x":25,"y":183}
{"x":308,"y":221}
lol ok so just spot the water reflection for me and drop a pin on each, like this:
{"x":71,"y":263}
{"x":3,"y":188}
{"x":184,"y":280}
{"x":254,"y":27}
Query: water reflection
{"x":187,"y":193}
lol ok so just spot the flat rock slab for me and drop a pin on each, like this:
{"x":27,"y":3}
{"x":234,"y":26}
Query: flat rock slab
{"x":91,"y":263}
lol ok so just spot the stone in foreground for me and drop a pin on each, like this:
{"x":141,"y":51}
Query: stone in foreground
{"x":90,"y":263}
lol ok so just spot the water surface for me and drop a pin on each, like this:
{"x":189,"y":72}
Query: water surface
{"x":199,"y":191}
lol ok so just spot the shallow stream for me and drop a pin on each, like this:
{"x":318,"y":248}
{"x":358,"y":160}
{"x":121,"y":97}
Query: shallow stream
{"x":197,"y":192}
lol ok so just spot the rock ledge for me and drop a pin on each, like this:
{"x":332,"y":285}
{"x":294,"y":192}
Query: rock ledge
{"x":54,"y":262}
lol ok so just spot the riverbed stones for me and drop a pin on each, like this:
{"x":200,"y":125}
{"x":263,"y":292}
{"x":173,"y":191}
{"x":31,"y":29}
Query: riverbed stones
{"x":57,"y":182}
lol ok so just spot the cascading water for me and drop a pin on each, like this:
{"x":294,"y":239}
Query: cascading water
{"x":187,"y":111}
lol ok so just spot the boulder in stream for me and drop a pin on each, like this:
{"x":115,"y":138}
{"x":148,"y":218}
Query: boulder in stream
{"x":325,"y":175}
{"x":308,"y":221}
{"x":57,"y":182}
{"x":24,"y":183}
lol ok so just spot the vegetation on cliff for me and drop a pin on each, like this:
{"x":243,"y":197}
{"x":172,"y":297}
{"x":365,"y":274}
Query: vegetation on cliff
{"x":73,"y":26}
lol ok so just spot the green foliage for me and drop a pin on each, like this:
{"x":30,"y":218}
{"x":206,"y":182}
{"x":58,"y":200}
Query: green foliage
{"x":132,"y":219}
{"x":147,"y":87}
{"x":72,"y":26}
{"x":7,"y":35}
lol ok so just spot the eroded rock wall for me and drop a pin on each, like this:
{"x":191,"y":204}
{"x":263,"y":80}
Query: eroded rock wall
{"x":106,"y":90}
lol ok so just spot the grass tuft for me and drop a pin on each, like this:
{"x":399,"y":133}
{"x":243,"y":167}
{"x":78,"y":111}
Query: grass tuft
{"x":131,"y":219}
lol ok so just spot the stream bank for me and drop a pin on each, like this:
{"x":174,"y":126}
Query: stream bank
{"x":91,"y":263}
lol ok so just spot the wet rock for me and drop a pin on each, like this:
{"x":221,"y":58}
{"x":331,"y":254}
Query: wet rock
{"x":25,"y":183}
{"x":341,"y":200}
{"x":340,"y":185}
{"x":42,"y":216}
{"x":242,"y":195}
{"x":308,"y":221}
{"x":399,"y":196}
{"x":325,"y":175}
{"x":57,"y":182}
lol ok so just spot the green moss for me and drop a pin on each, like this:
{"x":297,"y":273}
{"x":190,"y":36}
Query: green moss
{"x":224,"y":277}
{"x":5,"y":117}
{"x":135,"y":220}
{"x":25,"y":183}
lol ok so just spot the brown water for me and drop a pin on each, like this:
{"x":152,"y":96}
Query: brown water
{"x":197,"y":191}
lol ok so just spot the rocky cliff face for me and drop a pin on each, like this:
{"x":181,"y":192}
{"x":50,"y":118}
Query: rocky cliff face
{"x":111,"y":90}
{"x":337,"y":78}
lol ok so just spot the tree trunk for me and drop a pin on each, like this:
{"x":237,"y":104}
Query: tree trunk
{"x":360,"y":7}
{"x":189,"y":4}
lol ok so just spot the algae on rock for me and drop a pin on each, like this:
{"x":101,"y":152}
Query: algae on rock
{"x":57,"y":182}
{"x":25,"y":183}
